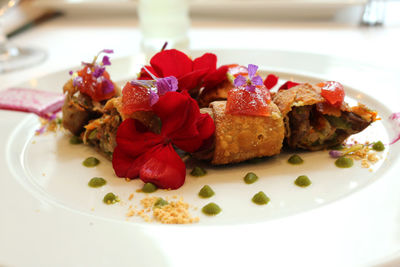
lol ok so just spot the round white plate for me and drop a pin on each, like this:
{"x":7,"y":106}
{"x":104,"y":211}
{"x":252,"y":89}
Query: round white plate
{"x":347,"y":217}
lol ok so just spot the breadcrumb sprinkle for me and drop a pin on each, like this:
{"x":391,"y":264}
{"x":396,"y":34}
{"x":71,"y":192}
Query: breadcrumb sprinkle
{"x":174,"y":212}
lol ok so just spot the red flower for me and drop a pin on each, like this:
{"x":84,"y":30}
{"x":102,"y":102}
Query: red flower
{"x":271,"y":81}
{"x":288,"y":85}
{"x":151,"y":157}
{"x":191,"y":74}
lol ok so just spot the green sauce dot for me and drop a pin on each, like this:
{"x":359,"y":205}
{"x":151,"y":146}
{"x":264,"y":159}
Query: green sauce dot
{"x":211,"y":209}
{"x":260,"y":198}
{"x":295,"y":159}
{"x":198,"y":171}
{"x":302,"y":181}
{"x":344,"y":162}
{"x":250,"y":178}
{"x":110,"y":198}
{"x":206,"y":192}
{"x":91,"y":162}
{"x":97,"y":182}
{"x":160,"y":202}
{"x":378,"y":146}
{"x":149,"y":188}
{"x":75,"y":140}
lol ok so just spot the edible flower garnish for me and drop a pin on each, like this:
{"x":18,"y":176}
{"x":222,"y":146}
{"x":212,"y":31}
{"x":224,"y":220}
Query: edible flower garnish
{"x":141,"y":95}
{"x":191,"y":74}
{"x":271,"y":81}
{"x":252,"y":81}
{"x":333,"y":92}
{"x":249,"y":97}
{"x":93,"y":80}
{"x":395,"y":117}
{"x":351,"y":149}
{"x":150,"y":156}
{"x":288,"y":85}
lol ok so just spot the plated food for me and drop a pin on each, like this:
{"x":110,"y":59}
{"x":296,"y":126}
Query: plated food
{"x":179,"y":106}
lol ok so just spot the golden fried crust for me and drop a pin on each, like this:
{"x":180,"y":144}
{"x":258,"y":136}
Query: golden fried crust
{"x":300,"y":95}
{"x":220,"y":93}
{"x":239,"y":138}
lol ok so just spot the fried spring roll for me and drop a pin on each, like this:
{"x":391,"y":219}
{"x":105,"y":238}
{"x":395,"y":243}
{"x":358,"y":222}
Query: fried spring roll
{"x":312,"y":124}
{"x":239,"y":138}
{"x":79,"y":109}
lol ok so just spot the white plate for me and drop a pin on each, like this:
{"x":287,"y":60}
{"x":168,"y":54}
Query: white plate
{"x":347,"y":217}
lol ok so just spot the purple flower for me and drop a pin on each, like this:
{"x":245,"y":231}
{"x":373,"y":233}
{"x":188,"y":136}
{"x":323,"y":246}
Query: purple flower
{"x":153,"y":97}
{"x":98,"y":71}
{"x":71,"y":72}
{"x":107,"y":51}
{"x":106,"y":61}
{"x":107,"y":86}
{"x":167,"y":84}
{"x":77,"y":81}
{"x":335,"y":153}
{"x":253,"y":80}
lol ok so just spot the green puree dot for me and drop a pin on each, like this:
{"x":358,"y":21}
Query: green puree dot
{"x":260,"y":198}
{"x":160,"y":202}
{"x":378,"y":146}
{"x":302,"y":181}
{"x":97,"y":182}
{"x":344,"y":162}
{"x":198,"y":171}
{"x":75,"y":140}
{"x":91,"y":162}
{"x":206,"y":192}
{"x":295,"y":159}
{"x":149,"y":188}
{"x":110,"y":198}
{"x":250,"y":178}
{"x":211,"y":209}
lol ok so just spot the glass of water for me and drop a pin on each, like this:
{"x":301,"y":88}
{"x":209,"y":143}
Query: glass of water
{"x":13,"y":57}
{"x":164,"y":21}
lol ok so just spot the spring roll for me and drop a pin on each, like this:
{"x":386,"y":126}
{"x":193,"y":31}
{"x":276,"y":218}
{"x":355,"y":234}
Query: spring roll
{"x":239,"y":137}
{"x":312,"y":124}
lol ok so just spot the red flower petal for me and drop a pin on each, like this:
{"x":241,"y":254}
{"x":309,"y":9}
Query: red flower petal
{"x":135,"y":98}
{"x":192,"y":80}
{"x":178,"y":113}
{"x":164,"y":168}
{"x":271,"y":81}
{"x":132,"y":149}
{"x":206,"y":61}
{"x":171,"y":63}
{"x":144,"y":75}
{"x":215,"y":78}
{"x":288,"y":85}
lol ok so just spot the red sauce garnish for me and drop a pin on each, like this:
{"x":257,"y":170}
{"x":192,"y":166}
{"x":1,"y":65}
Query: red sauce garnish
{"x":92,"y":87}
{"x":333,"y":92}
{"x":243,"y":102}
{"x":135,"y":98}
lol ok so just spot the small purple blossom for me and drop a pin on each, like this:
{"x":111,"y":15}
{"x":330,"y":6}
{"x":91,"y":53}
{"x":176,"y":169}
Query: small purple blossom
{"x":107,"y":86}
{"x":107,"y":51}
{"x":78,"y":80}
{"x":41,"y":130}
{"x":106,"y":61}
{"x":167,"y":84}
{"x":153,"y":97}
{"x":70,"y":72}
{"x":253,"y":80}
{"x":98,"y":71}
{"x":335,"y":154}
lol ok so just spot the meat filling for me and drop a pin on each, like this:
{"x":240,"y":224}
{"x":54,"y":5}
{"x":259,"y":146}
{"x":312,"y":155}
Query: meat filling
{"x":312,"y":130}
